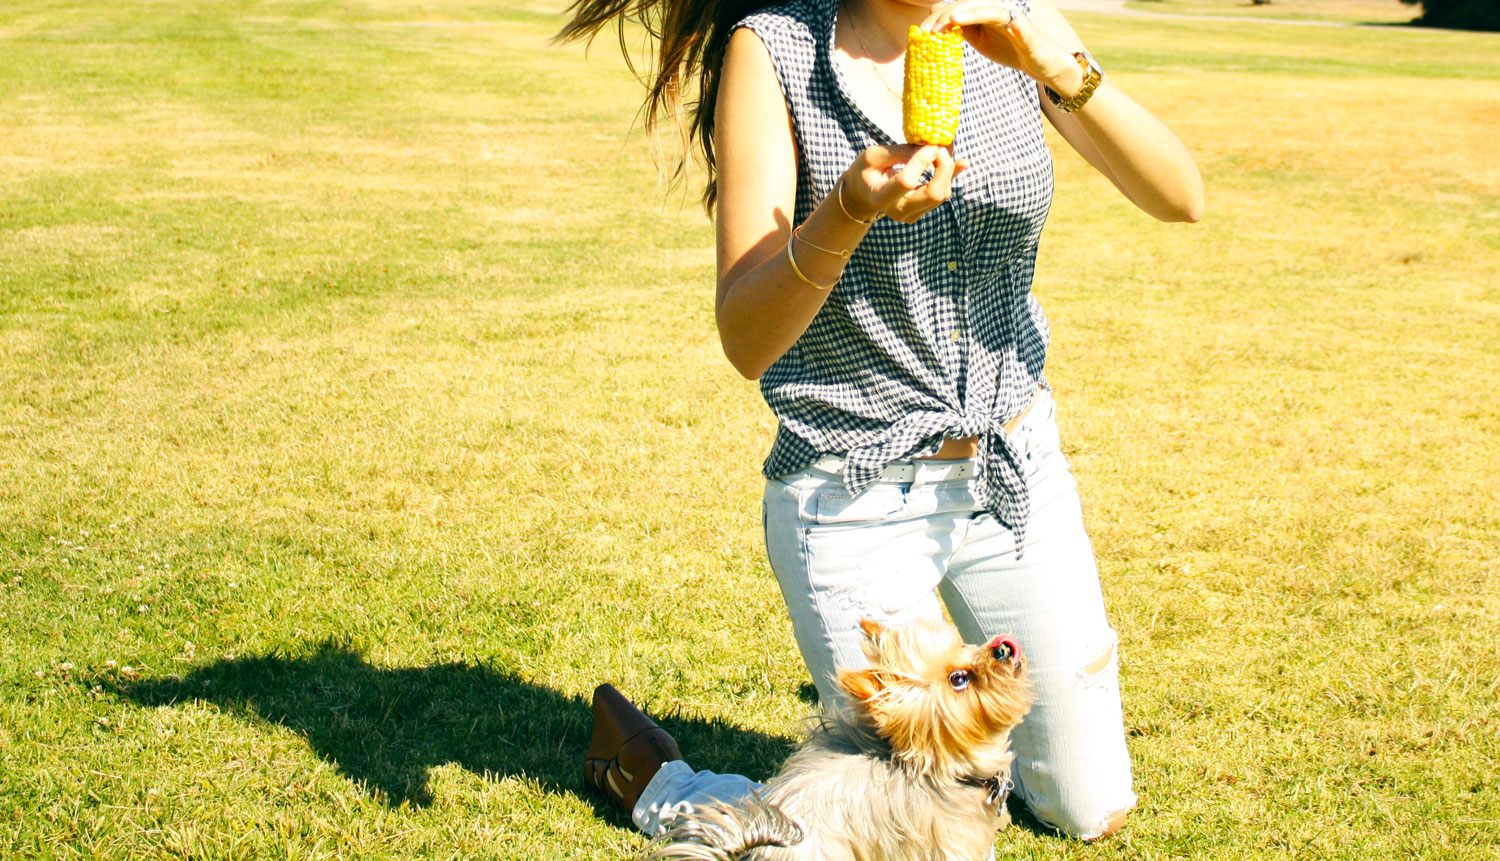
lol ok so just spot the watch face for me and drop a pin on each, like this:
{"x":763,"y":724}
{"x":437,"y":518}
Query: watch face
{"x":1098,"y":72}
{"x":1093,"y":65}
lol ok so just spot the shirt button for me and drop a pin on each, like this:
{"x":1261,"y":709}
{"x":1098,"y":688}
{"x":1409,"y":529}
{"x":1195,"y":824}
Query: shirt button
{"x":952,"y":265}
{"x":955,"y":336}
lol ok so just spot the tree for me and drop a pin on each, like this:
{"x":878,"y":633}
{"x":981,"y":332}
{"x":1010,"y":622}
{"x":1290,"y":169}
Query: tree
{"x":1460,"y":14}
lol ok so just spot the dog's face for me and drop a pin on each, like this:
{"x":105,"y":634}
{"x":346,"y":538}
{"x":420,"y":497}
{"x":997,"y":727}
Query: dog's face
{"x":945,"y":708}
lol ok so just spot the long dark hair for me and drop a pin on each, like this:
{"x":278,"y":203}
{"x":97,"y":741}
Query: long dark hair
{"x":691,"y":36}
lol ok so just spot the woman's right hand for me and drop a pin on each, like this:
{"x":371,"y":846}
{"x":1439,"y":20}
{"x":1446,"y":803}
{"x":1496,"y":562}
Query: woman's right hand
{"x":888,"y":181}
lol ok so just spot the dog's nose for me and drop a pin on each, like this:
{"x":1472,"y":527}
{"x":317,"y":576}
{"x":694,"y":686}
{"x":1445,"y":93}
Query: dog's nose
{"x":1005,"y":650}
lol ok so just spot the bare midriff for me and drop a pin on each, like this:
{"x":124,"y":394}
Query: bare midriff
{"x":956,"y":449}
{"x":963,"y":449}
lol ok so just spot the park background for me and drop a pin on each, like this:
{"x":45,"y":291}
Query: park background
{"x":361,"y":409}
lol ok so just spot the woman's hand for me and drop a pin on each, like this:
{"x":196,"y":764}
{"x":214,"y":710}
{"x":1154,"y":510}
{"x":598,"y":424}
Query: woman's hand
{"x":1004,"y":34}
{"x":888,"y":180}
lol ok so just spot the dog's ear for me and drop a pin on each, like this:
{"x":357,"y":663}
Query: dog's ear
{"x":861,"y":684}
{"x":872,"y":629}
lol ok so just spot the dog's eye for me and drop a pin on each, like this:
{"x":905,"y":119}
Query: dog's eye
{"x":958,"y":679}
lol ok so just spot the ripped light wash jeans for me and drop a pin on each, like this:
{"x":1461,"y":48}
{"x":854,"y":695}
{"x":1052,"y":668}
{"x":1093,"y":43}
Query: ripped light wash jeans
{"x":890,"y":552}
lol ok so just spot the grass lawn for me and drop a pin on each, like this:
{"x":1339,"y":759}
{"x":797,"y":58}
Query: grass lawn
{"x":361,"y":409}
{"x":1346,"y":11}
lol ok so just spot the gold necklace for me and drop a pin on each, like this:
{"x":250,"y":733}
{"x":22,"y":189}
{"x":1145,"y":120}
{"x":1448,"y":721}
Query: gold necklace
{"x":869,"y":59}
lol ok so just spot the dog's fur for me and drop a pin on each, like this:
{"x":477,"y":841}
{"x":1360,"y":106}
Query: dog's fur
{"x":883,"y":780}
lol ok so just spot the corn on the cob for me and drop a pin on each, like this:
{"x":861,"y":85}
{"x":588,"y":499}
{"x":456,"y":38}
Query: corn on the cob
{"x":934,"y":86}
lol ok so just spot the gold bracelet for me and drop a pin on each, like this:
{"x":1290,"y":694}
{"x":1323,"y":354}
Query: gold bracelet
{"x":838,"y":193}
{"x":797,"y":269}
{"x":842,"y":255}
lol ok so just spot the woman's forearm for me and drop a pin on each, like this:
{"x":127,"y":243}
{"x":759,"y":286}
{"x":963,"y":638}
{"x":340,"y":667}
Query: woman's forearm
{"x":1149,"y":163}
{"x":764,"y":308}
{"x":1123,"y":140}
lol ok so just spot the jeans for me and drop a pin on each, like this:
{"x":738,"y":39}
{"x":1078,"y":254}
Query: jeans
{"x":889,"y":553}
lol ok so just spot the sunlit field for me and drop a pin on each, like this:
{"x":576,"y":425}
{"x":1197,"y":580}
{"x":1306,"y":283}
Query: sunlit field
{"x":1343,"y":11}
{"x":361,"y":409}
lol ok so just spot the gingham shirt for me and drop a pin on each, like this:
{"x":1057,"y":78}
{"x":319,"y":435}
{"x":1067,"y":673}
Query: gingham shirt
{"x":932,"y":332}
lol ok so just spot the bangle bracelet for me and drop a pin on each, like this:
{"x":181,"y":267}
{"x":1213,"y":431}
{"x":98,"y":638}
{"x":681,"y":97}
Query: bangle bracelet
{"x":838,"y":193}
{"x":797,"y":269}
{"x":842,"y":255}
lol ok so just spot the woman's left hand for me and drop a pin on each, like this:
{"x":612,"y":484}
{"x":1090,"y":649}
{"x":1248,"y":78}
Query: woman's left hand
{"x":1002,"y":32}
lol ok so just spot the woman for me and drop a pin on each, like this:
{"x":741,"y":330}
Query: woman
{"x":897,"y":341}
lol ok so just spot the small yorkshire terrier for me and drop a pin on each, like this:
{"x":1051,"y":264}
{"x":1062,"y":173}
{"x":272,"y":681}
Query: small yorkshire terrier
{"x":916,"y":769}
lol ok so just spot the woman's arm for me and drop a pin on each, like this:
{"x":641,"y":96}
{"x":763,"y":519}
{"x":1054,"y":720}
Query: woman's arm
{"x":1121,"y":139}
{"x":762,"y":306}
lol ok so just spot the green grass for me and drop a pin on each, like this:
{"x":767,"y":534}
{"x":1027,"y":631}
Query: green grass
{"x":359,"y":392}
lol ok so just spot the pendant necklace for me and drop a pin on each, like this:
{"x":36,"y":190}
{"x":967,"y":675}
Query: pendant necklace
{"x":868,"y":58}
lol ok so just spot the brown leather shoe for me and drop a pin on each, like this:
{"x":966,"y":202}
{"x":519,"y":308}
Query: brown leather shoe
{"x":627,"y":749}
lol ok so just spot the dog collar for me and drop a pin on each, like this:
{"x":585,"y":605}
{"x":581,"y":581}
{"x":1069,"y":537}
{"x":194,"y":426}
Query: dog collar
{"x":999,"y":787}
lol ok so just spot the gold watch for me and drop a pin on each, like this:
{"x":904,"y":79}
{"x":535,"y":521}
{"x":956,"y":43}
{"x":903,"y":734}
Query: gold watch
{"x":1092,"y":75}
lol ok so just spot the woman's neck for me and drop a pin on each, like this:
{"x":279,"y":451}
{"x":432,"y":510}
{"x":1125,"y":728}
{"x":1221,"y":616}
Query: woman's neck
{"x":882,"y":25}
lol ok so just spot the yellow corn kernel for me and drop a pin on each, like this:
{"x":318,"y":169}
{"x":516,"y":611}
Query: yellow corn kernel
{"x":934,"y":86}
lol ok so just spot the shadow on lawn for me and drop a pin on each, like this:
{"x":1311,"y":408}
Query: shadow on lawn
{"x":387,"y":728}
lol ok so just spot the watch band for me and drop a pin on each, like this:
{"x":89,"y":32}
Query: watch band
{"x":1092,"y":75}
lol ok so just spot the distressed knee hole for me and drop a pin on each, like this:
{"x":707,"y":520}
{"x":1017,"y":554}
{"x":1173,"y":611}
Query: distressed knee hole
{"x":1114,"y":823}
{"x":1096,"y":673}
{"x":1086,"y":823}
{"x":1099,"y":664}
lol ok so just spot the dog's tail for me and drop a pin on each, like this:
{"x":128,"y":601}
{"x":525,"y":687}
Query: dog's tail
{"x":724,"y":832}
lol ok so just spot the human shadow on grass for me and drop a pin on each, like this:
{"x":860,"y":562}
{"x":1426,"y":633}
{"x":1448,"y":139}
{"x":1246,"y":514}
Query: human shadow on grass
{"x":388,"y":728}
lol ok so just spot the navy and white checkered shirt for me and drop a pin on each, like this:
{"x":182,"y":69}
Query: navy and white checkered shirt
{"x":932,"y":332}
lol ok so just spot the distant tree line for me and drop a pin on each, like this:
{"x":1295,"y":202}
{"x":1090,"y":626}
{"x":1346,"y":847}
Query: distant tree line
{"x":1460,"y":14}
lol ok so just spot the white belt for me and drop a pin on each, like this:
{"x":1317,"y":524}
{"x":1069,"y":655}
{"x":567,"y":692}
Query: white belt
{"x":929,"y":470}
